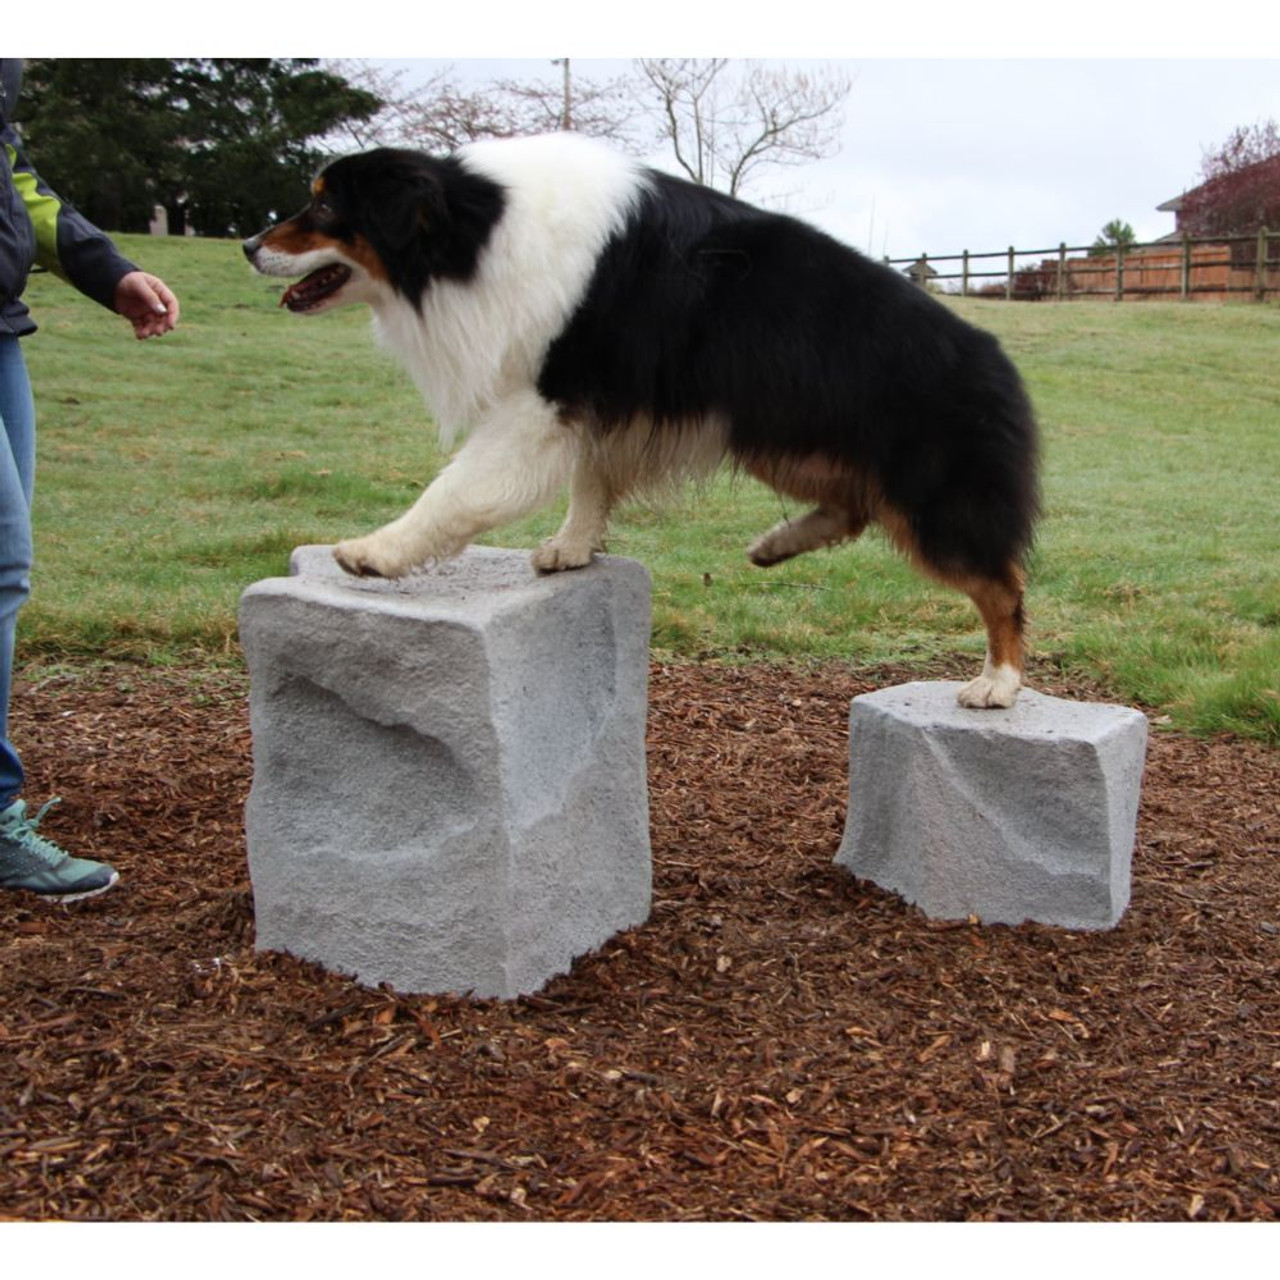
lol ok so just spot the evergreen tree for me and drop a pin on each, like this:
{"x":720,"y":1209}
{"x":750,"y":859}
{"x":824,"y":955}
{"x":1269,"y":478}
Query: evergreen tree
{"x":103,"y":133}
{"x":252,"y":127}
{"x":223,"y":143}
{"x":1111,"y":237}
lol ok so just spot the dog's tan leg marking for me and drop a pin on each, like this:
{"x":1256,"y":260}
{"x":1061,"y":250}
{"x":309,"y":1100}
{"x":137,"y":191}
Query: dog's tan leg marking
{"x":516,"y":459}
{"x":999,"y":601}
{"x":575,"y":543}
{"x":1000,"y":604}
{"x":822,"y":527}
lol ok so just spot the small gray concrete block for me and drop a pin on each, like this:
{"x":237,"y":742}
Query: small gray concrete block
{"x":1024,"y":814}
{"x":449,"y":789}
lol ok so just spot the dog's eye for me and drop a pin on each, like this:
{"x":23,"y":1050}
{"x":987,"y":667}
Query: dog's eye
{"x":322,"y":210}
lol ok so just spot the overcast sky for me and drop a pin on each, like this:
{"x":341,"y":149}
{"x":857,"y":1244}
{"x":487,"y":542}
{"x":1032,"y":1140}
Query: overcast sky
{"x":959,"y":132}
{"x":939,"y":155}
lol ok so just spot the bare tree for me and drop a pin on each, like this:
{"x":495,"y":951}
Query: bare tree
{"x":725,"y":121}
{"x":726,"y":124}
{"x":1245,"y":145}
{"x":603,"y":109}
{"x":1241,"y":191}
{"x":398,"y":111}
{"x":441,"y":115}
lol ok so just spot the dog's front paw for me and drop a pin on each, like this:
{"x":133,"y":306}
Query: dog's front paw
{"x":369,"y":557}
{"x":554,"y":556}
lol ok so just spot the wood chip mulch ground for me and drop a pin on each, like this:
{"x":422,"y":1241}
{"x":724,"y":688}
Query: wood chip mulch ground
{"x":778,"y":1042}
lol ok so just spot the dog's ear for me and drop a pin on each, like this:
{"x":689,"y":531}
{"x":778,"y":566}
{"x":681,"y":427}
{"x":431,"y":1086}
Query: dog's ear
{"x":407,"y":208}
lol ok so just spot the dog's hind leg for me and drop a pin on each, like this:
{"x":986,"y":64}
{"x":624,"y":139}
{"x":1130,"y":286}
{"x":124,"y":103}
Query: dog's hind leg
{"x":845,"y":506}
{"x":824,"y":526}
{"x":517,"y":459}
{"x":996,"y":589}
{"x":1000,"y":602}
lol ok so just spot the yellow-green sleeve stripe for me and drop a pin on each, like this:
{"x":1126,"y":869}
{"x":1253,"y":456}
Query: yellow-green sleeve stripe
{"x":42,"y":209}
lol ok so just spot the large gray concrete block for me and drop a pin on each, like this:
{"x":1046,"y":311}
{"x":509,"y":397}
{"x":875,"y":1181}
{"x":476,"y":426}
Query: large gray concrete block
{"x":449,"y":789}
{"x":1025,"y":814}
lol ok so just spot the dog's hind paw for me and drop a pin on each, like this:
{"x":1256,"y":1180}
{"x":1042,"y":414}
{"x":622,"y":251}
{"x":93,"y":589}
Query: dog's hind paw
{"x":822,"y":527}
{"x":997,"y":688}
{"x":774,"y":547}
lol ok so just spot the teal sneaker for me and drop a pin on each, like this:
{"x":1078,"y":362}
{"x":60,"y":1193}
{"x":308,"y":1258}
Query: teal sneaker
{"x":29,"y":861}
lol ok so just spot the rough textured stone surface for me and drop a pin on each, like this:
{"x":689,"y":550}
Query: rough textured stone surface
{"x":449,"y":789}
{"x":1025,"y":814}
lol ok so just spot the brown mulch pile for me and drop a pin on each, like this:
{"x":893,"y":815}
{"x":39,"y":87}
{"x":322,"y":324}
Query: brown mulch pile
{"x":779,"y":1041}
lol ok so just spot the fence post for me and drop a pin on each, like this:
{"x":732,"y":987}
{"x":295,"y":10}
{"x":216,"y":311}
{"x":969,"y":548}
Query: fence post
{"x":1008,"y":284}
{"x":1120,"y":273}
{"x":1062,"y":270}
{"x":1186,"y":266}
{"x":1260,"y":286}
{"x":964,"y":274}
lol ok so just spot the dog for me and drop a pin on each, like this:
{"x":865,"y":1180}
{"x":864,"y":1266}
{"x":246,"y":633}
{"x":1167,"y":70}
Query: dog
{"x":592,"y":323}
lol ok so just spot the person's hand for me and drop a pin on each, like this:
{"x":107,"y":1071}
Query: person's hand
{"x":147,"y":303}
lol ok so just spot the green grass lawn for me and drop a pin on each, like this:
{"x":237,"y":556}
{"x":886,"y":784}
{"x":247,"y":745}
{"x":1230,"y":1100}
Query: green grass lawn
{"x":176,"y":472}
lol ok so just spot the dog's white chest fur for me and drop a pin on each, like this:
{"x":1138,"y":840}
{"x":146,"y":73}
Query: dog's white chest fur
{"x":477,"y":341}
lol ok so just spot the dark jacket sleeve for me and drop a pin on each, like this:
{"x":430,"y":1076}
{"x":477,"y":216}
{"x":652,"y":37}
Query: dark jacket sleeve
{"x":66,"y":242}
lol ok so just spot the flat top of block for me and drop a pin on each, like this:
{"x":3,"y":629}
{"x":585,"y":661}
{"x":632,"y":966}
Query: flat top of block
{"x":931,"y":704}
{"x":479,"y":581}
{"x":478,"y":569}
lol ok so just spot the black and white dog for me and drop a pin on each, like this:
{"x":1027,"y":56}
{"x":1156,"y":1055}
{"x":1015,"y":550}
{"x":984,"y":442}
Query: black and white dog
{"x":592,"y":323}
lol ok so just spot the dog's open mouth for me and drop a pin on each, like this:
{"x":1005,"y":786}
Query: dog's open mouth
{"x":313,"y":289}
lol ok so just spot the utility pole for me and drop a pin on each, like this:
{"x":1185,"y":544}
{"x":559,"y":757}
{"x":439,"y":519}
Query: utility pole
{"x":566,"y":119}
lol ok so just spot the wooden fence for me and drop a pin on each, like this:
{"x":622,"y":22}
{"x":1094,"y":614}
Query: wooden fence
{"x":1216,"y":269}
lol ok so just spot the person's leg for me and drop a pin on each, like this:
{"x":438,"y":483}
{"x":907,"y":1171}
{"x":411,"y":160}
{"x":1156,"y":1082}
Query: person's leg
{"x":17,"y":472}
{"x":27,"y":860}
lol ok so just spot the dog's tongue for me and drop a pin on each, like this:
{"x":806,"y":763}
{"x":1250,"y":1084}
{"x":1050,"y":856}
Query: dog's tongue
{"x":314,"y":288}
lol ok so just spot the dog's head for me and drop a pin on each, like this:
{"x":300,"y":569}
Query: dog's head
{"x":381,"y":224}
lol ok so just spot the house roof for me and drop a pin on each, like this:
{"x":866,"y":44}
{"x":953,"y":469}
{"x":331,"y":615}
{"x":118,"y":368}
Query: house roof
{"x":1175,"y":204}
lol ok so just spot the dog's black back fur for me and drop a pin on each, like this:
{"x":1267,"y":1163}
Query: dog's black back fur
{"x":704,"y":305}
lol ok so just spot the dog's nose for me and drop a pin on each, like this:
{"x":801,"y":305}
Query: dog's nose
{"x":250,"y":246}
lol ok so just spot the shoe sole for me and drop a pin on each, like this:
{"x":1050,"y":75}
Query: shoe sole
{"x":88,"y":893}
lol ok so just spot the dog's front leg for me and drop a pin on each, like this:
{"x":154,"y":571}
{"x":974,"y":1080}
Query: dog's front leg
{"x":516,"y":459}
{"x":591,"y":499}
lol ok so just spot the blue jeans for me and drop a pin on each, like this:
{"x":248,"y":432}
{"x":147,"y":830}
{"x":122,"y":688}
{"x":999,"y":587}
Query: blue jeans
{"x":17,"y":477}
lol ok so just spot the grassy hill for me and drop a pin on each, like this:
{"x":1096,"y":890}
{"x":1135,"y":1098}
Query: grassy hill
{"x":174,"y":473}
